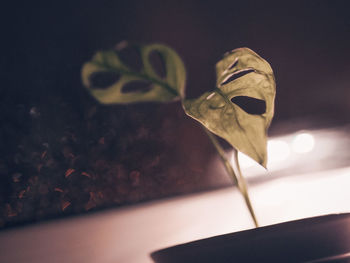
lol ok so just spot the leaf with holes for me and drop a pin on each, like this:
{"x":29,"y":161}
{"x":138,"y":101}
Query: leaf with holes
{"x":111,"y":80}
{"x":241,"y":107}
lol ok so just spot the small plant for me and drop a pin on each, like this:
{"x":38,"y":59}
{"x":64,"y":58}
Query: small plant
{"x":242,"y":77}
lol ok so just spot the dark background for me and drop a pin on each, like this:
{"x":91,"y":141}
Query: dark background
{"x":61,"y":153}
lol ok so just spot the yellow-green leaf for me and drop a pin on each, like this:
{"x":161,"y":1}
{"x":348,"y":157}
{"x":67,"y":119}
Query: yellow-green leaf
{"x":241,"y":75}
{"x":160,"y":89}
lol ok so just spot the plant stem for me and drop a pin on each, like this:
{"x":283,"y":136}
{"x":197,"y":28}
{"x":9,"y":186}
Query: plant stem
{"x":243,"y":187}
{"x":239,"y":181}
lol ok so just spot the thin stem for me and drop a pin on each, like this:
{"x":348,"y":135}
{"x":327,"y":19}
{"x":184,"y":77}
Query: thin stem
{"x":222,"y":155}
{"x":243,"y":187}
{"x":239,"y":181}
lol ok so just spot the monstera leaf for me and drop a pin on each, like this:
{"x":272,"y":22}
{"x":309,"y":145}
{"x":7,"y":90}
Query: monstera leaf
{"x":243,"y":78}
{"x":119,"y":75}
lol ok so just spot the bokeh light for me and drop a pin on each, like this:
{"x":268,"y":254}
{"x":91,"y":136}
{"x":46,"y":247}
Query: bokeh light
{"x":303,"y":143}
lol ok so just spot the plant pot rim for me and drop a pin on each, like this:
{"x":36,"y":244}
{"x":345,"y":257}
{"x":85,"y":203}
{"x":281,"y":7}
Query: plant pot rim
{"x":313,"y":239}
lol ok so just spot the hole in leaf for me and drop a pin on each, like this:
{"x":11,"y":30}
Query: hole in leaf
{"x":236,"y":75}
{"x":234,"y":63}
{"x":158,"y":63}
{"x":131,"y":57}
{"x":250,"y":105}
{"x":103,"y":79}
{"x":137,"y":86}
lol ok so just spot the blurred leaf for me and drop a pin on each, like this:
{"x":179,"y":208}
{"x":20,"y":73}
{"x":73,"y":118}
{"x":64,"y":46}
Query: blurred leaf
{"x":120,"y":82}
{"x":240,"y":74}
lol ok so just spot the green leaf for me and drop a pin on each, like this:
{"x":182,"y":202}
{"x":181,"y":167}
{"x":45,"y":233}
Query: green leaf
{"x":240,"y":74}
{"x":161,"y":89}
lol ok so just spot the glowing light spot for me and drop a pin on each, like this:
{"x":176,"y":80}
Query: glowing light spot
{"x":303,"y":143}
{"x":244,"y":160}
{"x":278,"y":151}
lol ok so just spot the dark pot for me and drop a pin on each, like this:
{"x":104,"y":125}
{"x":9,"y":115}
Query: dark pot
{"x":317,"y":239}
